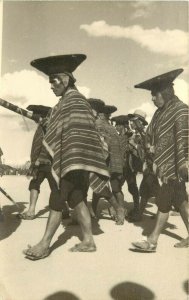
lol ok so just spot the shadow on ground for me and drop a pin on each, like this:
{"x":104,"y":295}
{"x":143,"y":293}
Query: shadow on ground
{"x":131,"y":291}
{"x":42,"y":212}
{"x":148,"y":223}
{"x":10,"y":221}
{"x":186,"y":287}
{"x":73,"y":230}
{"x":62,"y":295}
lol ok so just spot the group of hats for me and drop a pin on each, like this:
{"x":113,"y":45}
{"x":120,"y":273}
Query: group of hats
{"x":101,"y":107}
{"x":68,"y":63}
{"x":124,"y":119}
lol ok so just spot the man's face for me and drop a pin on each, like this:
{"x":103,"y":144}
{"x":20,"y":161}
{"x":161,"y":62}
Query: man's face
{"x":158,"y":99}
{"x":119,"y":128}
{"x":57,"y":86}
{"x":94,"y":112}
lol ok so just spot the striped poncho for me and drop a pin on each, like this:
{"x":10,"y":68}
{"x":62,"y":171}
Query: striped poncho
{"x":168,"y":132}
{"x":39,"y":154}
{"x":36,"y":144}
{"x":111,"y":137}
{"x":73,"y":141}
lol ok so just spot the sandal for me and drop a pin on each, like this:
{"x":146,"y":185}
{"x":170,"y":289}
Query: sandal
{"x":83,"y":248}
{"x":145,"y":246}
{"x":25,"y":216}
{"x":120,"y":216}
{"x":34,"y":257}
{"x":184,"y":243}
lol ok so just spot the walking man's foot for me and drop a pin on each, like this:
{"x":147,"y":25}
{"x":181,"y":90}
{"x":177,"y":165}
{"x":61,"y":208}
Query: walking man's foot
{"x":27,"y":215}
{"x":84,"y":247}
{"x":184,"y":243}
{"x":39,"y":251}
{"x":120,"y":216}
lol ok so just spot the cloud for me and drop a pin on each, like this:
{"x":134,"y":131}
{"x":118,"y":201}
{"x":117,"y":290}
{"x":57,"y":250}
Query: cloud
{"x":181,"y":90}
{"x":23,"y":88}
{"x":168,"y":42}
{"x":28,"y":87}
{"x":15,"y":143}
{"x":142,"y":9}
{"x":84,"y":90}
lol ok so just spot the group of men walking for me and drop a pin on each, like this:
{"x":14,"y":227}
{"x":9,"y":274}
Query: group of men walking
{"x":78,"y":145}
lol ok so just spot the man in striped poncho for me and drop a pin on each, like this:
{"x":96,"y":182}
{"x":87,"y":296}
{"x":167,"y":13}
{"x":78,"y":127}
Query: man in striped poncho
{"x":76,"y":151}
{"x":168,"y":137}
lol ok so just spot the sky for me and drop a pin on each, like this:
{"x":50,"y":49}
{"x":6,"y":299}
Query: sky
{"x":126,"y":42}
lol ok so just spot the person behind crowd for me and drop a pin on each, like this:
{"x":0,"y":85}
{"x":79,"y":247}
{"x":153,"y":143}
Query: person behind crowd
{"x":115,"y":212}
{"x":75,"y":148}
{"x":168,"y":136}
{"x":114,"y":159}
{"x":149,"y":185}
{"x":40,"y":168}
{"x":131,"y":158}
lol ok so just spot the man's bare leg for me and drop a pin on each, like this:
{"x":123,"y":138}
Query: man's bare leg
{"x":42,"y":247}
{"x":184,"y":215}
{"x":120,"y":211}
{"x":84,"y":219}
{"x":151,"y":242}
{"x":159,"y":226}
{"x":30,"y":213}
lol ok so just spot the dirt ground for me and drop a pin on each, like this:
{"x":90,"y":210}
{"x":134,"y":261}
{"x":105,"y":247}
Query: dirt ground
{"x":112,"y":272}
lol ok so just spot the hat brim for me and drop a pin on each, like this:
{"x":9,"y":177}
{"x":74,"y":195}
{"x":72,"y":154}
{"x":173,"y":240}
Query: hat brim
{"x":120,"y":120}
{"x":58,"y":64}
{"x":132,"y":116}
{"x":96,"y":104}
{"x":159,"y":82}
{"x":39,"y":109}
{"x":109,"y":109}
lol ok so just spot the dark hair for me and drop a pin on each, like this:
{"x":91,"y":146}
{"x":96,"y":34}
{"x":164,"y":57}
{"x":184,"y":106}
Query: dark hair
{"x":168,"y":93}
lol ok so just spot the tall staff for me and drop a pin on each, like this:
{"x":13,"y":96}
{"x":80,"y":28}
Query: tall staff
{"x":23,"y":112}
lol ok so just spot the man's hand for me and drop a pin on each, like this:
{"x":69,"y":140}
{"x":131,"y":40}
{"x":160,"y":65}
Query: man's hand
{"x":183,"y":172}
{"x":32,"y":171}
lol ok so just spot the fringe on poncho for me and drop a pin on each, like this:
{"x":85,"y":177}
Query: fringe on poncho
{"x":73,"y":141}
{"x":168,"y":132}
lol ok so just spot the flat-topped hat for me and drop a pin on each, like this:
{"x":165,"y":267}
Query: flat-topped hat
{"x":109,"y":109}
{"x":140,"y":114}
{"x":58,"y":64}
{"x":159,"y":82}
{"x":120,"y":120}
{"x":39,"y":109}
{"x":96,"y":104}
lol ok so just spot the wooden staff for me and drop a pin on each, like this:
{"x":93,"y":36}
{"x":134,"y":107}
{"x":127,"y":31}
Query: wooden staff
{"x":20,"y":111}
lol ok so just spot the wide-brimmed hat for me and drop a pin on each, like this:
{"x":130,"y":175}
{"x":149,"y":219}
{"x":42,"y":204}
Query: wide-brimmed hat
{"x":140,"y":114}
{"x":120,"y":120}
{"x":109,"y":109}
{"x":96,"y":104}
{"x":159,"y":82}
{"x":39,"y":109}
{"x":58,"y":64}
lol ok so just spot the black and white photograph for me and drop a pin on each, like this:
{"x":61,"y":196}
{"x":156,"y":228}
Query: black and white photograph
{"x":94,"y":150}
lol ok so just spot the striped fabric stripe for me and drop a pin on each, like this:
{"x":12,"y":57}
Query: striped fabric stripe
{"x":112,"y":139}
{"x":168,"y":131}
{"x":73,"y":142}
{"x":36,"y":144}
